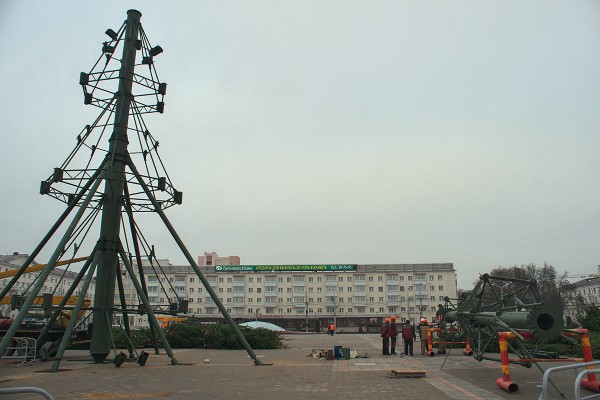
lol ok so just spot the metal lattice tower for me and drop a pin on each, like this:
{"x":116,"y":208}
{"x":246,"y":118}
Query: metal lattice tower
{"x":124,"y":95}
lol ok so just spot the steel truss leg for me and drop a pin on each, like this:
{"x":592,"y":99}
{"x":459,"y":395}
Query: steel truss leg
{"x":52,"y":230}
{"x":124,"y":311}
{"x":140,"y":292}
{"x":66,"y":297}
{"x":138,"y":259}
{"x":46,"y":271}
{"x":190,"y":259}
{"x":73,"y":319}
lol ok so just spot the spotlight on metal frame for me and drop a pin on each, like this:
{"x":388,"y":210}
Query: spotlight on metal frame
{"x":108,"y":49}
{"x":155,"y":51}
{"x":111,"y":34}
{"x":143,"y":358}
{"x":119,"y":359}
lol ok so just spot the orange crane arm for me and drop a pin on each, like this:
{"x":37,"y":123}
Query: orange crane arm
{"x":40,"y":267}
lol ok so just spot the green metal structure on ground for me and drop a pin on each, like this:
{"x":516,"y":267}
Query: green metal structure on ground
{"x":124,"y":89}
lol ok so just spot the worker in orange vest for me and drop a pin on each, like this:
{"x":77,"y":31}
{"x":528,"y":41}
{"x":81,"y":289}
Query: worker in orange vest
{"x":331,"y":329}
{"x":386,"y":334}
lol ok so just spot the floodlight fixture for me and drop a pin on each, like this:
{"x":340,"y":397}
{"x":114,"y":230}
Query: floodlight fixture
{"x":111,"y":34}
{"x":155,"y":51}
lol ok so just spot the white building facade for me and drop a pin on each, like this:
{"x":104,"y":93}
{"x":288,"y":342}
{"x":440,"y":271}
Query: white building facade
{"x":298,"y":295}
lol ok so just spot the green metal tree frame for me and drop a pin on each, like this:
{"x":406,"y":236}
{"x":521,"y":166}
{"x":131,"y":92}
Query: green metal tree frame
{"x":117,"y":170}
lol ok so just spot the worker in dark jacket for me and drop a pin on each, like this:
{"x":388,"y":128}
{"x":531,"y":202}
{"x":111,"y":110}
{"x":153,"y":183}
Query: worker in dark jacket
{"x":394,"y":333}
{"x":408,"y":335}
{"x":386,"y":333}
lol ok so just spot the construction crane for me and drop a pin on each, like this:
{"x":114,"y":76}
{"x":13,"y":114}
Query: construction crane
{"x":39,"y":267}
{"x":48,"y":300}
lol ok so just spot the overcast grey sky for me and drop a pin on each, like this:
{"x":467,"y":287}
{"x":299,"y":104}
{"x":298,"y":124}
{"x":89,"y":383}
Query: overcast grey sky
{"x":333,"y":131}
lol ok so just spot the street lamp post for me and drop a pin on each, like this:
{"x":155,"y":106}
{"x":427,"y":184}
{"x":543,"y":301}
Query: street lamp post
{"x":421,"y":284}
{"x":306,"y":310}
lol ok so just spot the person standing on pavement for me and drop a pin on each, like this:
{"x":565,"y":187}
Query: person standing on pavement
{"x":331,"y":329}
{"x":423,"y":329}
{"x":394,"y":333}
{"x":441,"y":338}
{"x":386,"y":333}
{"x":408,"y":335}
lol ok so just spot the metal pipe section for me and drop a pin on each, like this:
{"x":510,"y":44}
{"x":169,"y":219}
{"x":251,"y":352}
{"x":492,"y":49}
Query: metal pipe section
{"x":27,"y":389}
{"x":546,"y":376}
{"x":542,"y":322}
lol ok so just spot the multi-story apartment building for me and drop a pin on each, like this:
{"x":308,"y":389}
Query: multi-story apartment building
{"x":303,"y":296}
{"x":58,"y":282}
{"x":293,"y":296}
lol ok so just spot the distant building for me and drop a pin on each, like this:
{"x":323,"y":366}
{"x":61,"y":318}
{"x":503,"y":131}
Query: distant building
{"x":294,"y":296}
{"x":350,"y":294}
{"x":587,"y":291}
{"x":213,"y":258}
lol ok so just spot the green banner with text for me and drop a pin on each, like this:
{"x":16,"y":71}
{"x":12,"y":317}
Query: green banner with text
{"x":286,"y":268}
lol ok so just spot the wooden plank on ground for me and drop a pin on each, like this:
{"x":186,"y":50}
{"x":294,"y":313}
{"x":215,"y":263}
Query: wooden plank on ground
{"x":407,"y":373}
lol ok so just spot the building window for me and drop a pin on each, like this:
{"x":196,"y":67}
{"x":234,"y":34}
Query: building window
{"x":441,"y":287}
{"x":440,"y":278}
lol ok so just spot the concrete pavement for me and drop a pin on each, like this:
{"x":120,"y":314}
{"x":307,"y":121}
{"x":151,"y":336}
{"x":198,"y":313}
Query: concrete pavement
{"x":287,"y":374}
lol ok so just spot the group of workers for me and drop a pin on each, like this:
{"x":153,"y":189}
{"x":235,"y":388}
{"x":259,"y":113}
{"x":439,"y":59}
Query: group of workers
{"x":390,"y":331}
